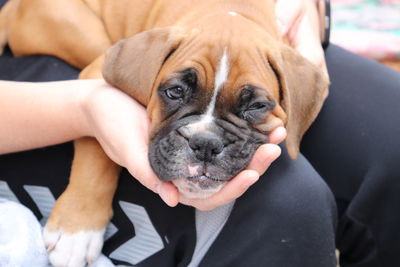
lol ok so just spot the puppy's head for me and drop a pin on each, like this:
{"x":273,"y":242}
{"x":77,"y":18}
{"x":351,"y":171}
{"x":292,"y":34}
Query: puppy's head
{"x":212,"y":100}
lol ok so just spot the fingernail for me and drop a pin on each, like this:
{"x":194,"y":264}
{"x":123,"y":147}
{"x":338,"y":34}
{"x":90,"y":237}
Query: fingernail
{"x":278,"y":150}
{"x":252,"y":178}
{"x":275,"y":151}
{"x":281,"y":128}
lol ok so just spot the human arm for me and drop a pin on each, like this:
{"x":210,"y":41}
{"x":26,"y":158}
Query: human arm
{"x":33,"y":115}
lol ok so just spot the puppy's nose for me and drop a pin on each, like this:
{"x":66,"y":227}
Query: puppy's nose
{"x":206,"y":146}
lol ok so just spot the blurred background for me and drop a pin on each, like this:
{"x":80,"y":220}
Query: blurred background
{"x":370,"y":28}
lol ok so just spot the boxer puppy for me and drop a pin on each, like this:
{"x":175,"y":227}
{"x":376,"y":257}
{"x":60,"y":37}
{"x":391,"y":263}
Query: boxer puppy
{"x":216,"y":78}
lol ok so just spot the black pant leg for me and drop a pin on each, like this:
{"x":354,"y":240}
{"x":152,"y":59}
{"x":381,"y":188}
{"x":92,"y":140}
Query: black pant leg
{"x":287,"y":218}
{"x":36,"y":68}
{"x":354,"y":146}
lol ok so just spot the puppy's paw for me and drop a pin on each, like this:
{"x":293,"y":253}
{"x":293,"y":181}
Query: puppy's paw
{"x":73,"y":234}
{"x":72,"y":249}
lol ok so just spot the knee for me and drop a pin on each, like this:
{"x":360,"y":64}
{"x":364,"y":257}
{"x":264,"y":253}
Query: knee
{"x":293,"y":190}
{"x":292,"y":212}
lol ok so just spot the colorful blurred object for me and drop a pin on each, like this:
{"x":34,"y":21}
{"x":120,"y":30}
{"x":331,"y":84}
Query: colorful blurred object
{"x":367,"y":27}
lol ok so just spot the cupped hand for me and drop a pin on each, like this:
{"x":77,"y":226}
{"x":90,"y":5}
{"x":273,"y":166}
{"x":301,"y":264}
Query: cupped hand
{"x":121,"y":126}
{"x":299,"y":21}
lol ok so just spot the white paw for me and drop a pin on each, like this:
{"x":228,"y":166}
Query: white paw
{"x":73,"y":250}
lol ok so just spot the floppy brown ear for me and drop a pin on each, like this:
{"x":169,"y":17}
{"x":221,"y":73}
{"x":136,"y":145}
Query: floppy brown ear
{"x":303,"y":90}
{"x":132,"y":64}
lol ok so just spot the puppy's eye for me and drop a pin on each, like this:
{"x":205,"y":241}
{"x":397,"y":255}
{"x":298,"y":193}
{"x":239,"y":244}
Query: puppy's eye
{"x":175,"y":92}
{"x":257,"y":105}
{"x":256,"y":111}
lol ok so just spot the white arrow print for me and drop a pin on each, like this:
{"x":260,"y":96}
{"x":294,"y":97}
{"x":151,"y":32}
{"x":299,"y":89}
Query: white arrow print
{"x":5,"y":192}
{"x":146,"y":242}
{"x":45,"y":201}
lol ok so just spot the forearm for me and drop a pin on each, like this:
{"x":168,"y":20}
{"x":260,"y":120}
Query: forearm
{"x":33,"y":115}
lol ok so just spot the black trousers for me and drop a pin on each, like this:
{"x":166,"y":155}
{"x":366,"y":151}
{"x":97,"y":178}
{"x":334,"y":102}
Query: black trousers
{"x":354,"y":146}
{"x":289,"y":217}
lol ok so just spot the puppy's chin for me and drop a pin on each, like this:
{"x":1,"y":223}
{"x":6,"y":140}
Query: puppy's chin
{"x":191,"y":188}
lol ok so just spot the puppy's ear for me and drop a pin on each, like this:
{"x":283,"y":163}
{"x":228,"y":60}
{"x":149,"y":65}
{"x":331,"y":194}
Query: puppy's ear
{"x":133,"y":64}
{"x":303,"y":90}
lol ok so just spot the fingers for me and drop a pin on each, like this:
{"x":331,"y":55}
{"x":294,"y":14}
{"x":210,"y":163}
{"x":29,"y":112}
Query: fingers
{"x":231,"y":191}
{"x":263,"y":157}
{"x":168,"y":193}
{"x":278,"y":135}
{"x":140,"y":169}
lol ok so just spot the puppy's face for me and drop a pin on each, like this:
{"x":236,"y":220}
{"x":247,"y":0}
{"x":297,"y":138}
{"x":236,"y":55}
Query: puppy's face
{"x":212,"y":100}
{"x":209,"y":115}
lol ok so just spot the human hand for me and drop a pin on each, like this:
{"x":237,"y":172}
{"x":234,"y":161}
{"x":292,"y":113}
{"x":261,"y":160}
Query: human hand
{"x":121,"y":126}
{"x":299,"y":21}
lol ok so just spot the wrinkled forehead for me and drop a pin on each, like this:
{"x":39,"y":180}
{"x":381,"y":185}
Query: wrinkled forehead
{"x":223,"y":71}
{"x":240,"y":69}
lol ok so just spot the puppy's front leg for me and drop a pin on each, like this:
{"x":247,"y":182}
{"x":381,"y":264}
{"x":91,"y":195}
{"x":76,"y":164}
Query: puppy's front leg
{"x":74,"y":231}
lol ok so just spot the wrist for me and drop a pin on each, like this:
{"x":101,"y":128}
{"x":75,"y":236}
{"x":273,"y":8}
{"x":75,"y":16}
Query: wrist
{"x":83,"y":98}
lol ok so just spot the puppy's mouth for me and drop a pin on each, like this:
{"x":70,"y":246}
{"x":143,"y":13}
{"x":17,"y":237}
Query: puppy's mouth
{"x":198,"y":186}
{"x":199,"y":157}
{"x":205,"y":181}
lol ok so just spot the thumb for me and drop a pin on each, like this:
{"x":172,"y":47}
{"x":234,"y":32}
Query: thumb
{"x":140,"y":169}
{"x":287,"y":12}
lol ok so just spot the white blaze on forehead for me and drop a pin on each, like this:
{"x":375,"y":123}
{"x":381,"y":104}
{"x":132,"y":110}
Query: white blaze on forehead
{"x":220,"y":78}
